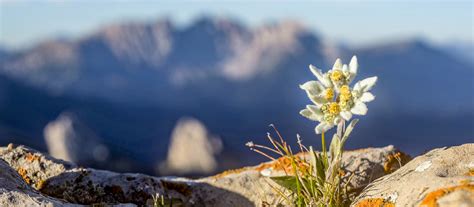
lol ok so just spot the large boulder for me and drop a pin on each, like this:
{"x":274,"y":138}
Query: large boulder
{"x":35,"y":167}
{"x":67,"y":181}
{"x":192,"y":149}
{"x":441,"y":177}
{"x":67,"y":137}
{"x":247,"y":186}
{"x":14,"y":191}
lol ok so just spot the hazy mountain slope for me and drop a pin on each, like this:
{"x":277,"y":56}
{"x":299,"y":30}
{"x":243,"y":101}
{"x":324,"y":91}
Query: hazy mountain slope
{"x":462,"y":50}
{"x":416,"y":77}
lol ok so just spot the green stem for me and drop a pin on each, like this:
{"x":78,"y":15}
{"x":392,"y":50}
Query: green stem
{"x":323,"y":143}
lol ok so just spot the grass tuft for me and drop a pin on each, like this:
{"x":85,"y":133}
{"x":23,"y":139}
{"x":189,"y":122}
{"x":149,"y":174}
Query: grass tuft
{"x":313,"y":180}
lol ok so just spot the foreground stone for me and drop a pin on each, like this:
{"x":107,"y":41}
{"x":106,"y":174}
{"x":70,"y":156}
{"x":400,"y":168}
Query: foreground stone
{"x":441,"y":177}
{"x":15,"y":192}
{"x":242,"y":187}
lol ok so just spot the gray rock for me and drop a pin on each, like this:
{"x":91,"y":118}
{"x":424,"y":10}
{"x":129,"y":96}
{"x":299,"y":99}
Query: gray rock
{"x":35,"y":167}
{"x":15,"y":192}
{"x":241,"y":187}
{"x":441,"y":177}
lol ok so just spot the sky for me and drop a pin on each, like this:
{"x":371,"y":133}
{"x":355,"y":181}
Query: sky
{"x":356,"y":22}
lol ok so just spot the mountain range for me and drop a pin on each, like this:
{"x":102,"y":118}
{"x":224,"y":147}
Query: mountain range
{"x":131,"y":82}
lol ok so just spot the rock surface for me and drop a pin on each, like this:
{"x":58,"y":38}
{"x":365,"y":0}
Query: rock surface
{"x":366,"y":165}
{"x":242,"y":187}
{"x":14,"y":191}
{"x":441,"y":177}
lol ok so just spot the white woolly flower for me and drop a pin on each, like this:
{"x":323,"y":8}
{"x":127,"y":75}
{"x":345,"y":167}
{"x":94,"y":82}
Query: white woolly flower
{"x":360,"y":95}
{"x":317,"y":92}
{"x":327,"y":114}
{"x":333,"y":98}
{"x":342,"y":74}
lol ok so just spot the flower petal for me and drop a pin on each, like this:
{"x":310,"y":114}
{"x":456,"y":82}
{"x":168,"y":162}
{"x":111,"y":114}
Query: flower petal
{"x":367,"y":97}
{"x":359,"y":108}
{"x":337,"y":120}
{"x":317,"y":100}
{"x":337,"y":64}
{"x":346,"y":115}
{"x":316,"y":110}
{"x":320,"y":76}
{"x":310,"y":115}
{"x":353,"y":66}
{"x":345,"y":69}
{"x":313,"y":87}
{"x":327,"y":127}
{"x":366,"y":84}
{"x":319,"y":129}
{"x":323,"y":127}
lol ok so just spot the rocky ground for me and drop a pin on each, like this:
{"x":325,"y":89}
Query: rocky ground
{"x":441,"y":177}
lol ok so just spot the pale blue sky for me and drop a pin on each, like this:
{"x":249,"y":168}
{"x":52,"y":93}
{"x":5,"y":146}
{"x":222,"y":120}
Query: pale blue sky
{"x":357,"y":22}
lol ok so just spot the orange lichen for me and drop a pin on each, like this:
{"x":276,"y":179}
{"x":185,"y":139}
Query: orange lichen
{"x":31,"y":157}
{"x":465,"y":182}
{"x":342,"y":173}
{"x":285,"y":164}
{"x":395,"y":161}
{"x":40,"y":184}
{"x":470,"y":172}
{"x":229,"y":172}
{"x":24,"y":175}
{"x":374,"y":202}
{"x":431,"y":198}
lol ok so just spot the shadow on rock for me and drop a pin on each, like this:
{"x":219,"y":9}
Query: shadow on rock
{"x":86,"y":186}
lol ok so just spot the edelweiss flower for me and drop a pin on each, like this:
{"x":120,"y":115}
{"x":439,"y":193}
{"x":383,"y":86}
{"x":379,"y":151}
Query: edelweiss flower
{"x":343,"y":74}
{"x":329,"y":109}
{"x":353,"y":102}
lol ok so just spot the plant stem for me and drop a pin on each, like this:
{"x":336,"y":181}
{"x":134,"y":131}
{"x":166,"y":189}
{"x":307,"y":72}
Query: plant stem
{"x":323,"y":143}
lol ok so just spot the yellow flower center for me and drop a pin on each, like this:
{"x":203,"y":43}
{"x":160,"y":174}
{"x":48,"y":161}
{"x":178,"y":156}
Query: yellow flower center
{"x":324,"y":108}
{"x":334,"y":108}
{"x":346,"y":105}
{"x":345,"y":89}
{"x":345,"y":93}
{"x":329,"y":94}
{"x":329,"y":118}
{"x":337,"y":75}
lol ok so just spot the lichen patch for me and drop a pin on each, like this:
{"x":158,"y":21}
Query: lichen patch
{"x":374,"y":202}
{"x":230,"y":172}
{"x":470,"y":172}
{"x":24,"y":175}
{"x":40,"y":184}
{"x":431,"y":198}
{"x":284,"y":164}
{"x":31,"y":157}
